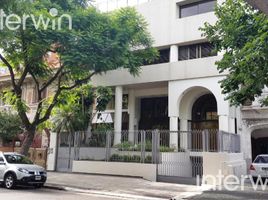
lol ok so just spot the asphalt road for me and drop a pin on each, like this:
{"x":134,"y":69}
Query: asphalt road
{"x":247,"y":194}
{"x":28,"y":193}
{"x":227,"y":195}
{"x":46,"y":194}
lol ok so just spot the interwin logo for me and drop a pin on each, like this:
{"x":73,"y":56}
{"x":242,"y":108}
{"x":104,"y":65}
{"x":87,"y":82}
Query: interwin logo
{"x":15,"y":22}
{"x":233,"y":182}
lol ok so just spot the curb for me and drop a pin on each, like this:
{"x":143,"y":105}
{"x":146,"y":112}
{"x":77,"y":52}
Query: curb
{"x":54,"y":187}
{"x":101,"y":193}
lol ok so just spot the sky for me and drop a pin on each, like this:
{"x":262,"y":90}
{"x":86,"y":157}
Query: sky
{"x":108,"y":5}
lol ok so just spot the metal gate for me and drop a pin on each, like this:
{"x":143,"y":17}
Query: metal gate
{"x":180,"y":167}
{"x":68,"y":152}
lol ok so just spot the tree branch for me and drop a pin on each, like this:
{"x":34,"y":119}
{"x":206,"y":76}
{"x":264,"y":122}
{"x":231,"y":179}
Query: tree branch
{"x":79,"y":82}
{"x":23,"y":76}
{"x":12,"y":75}
{"x":58,"y":92}
{"x":53,"y":103}
{"x":25,"y":57}
{"x":50,"y":81}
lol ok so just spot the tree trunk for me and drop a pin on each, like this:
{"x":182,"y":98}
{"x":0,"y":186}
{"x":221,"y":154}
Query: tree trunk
{"x":29,"y":137}
{"x":48,"y":136}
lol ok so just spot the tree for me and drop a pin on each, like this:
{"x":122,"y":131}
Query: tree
{"x":74,"y":114}
{"x":241,"y":33}
{"x":10,"y":126}
{"x":95,"y":43}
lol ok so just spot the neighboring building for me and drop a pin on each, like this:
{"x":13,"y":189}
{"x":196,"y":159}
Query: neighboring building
{"x":29,"y":95}
{"x":180,"y":91}
{"x":259,"y":4}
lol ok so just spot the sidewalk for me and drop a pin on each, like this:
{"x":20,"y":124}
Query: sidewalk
{"x":119,"y":186}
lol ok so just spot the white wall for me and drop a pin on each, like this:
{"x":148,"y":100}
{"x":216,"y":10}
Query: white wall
{"x":188,"y":69}
{"x":224,"y":164}
{"x":166,"y":26}
{"x":51,"y":156}
{"x":146,"y":171}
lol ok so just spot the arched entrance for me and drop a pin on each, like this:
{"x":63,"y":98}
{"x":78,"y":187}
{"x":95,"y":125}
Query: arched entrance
{"x":204,"y":113}
{"x":259,"y":142}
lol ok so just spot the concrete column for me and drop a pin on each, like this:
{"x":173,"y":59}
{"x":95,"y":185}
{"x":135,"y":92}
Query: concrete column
{"x":223,"y":123}
{"x":118,"y":114}
{"x":52,"y":152}
{"x":174,"y":53}
{"x":173,"y":126}
{"x":184,"y":135}
{"x":131,"y":112}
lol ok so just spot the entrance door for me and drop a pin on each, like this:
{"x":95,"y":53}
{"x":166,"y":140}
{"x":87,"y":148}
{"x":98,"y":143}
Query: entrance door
{"x":154,"y":114}
{"x":205,"y":117}
{"x":204,"y":113}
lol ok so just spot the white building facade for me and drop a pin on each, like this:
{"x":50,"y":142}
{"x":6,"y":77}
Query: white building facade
{"x":184,"y":84}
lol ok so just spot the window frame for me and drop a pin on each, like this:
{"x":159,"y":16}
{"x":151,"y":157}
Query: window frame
{"x":197,"y":3}
{"x":198,"y":49}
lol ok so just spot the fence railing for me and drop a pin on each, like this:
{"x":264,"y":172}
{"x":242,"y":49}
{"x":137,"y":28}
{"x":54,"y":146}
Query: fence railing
{"x":145,"y":146}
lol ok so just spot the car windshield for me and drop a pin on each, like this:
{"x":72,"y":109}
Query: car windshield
{"x":261,"y":159}
{"x":17,"y":159}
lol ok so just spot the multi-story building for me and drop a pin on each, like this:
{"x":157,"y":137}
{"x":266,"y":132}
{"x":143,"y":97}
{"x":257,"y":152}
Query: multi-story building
{"x":181,"y":90}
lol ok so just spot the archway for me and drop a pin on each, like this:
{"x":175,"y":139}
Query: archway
{"x":204,"y":113}
{"x":198,"y":112}
{"x":259,"y":142}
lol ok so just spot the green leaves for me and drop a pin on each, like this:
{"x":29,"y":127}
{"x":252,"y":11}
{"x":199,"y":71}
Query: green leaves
{"x":46,"y":51}
{"x":74,"y":109}
{"x":10,"y":125}
{"x":104,"y":96}
{"x":10,"y":98}
{"x":241,"y":33}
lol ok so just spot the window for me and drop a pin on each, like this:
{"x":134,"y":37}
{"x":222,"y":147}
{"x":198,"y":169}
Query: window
{"x":2,"y":159}
{"x":207,"y":50}
{"x":196,"y":51}
{"x":261,"y":159}
{"x":183,"y":53}
{"x":125,"y":101}
{"x":193,"y":51}
{"x":163,"y":57}
{"x":18,"y":159}
{"x":211,"y":116}
{"x":197,"y":8}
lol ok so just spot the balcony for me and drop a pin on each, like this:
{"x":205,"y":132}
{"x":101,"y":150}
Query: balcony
{"x":187,"y":69}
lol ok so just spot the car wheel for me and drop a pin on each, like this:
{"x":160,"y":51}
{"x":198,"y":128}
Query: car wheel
{"x":10,"y":181}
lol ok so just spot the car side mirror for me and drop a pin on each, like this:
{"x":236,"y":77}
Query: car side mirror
{"x":2,"y":163}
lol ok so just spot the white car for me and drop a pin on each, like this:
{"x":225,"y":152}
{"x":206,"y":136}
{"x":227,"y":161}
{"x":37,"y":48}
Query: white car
{"x":16,"y":169}
{"x":259,"y":167}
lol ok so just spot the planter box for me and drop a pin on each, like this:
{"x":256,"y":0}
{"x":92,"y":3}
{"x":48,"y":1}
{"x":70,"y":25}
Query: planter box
{"x":146,"y":171}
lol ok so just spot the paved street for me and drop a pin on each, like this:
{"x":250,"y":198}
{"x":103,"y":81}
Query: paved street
{"x":247,"y":193}
{"x":226,"y":195}
{"x":47,"y":194}
{"x":121,"y":185}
